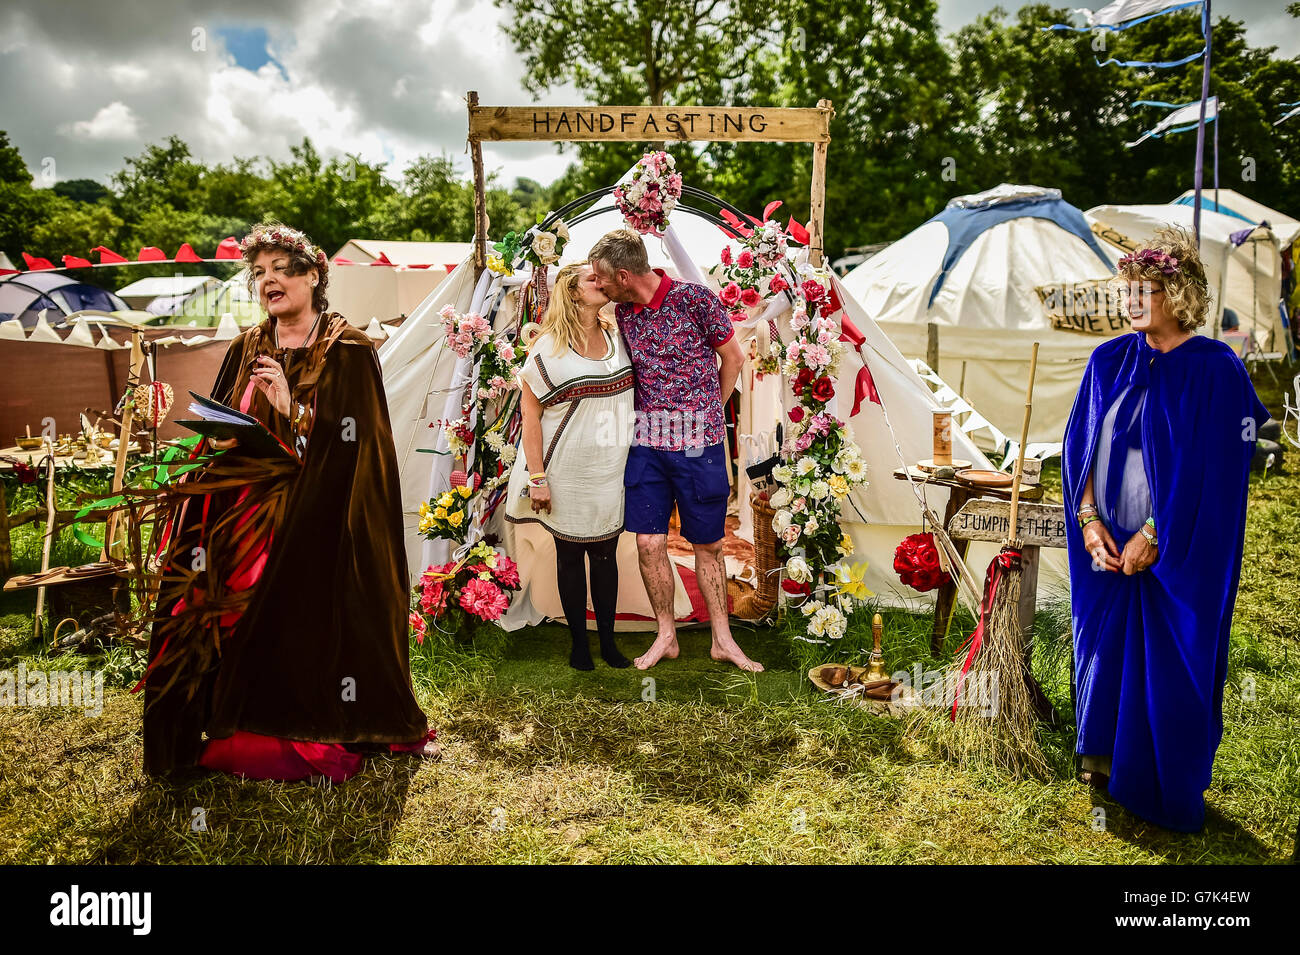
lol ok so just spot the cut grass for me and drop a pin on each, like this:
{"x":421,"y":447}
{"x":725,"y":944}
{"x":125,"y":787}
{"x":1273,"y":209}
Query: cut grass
{"x":544,"y":764}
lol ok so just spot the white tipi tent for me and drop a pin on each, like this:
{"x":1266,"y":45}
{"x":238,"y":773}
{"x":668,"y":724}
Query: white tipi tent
{"x":975,"y":271}
{"x":423,"y":378}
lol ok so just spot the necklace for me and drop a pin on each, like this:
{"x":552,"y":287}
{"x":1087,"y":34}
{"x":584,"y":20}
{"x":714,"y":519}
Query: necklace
{"x":310,"y":332}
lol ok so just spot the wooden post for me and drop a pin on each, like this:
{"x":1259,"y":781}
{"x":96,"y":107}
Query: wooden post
{"x":6,"y":547}
{"x":480,"y":193}
{"x":817,"y":203}
{"x":124,"y":437}
{"x":945,"y":601}
{"x":932,"y":346}
{"x":51,"y":509}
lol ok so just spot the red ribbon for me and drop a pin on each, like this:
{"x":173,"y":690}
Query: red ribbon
{"x":864,"y":387}
{"x":1010,"y":557}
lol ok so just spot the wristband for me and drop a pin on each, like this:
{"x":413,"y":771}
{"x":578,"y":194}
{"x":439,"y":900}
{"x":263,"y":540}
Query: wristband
{"x":1085,"y":521}
{"x":1151,"y":538}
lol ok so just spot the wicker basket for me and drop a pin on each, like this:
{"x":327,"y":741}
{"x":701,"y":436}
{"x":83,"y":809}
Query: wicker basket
{"x":760,"y":602}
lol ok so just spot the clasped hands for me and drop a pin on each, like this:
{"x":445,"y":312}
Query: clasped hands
{"x":1138,"y":554}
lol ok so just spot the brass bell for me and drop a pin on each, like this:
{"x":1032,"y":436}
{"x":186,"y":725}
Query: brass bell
{"x":876,"y":662}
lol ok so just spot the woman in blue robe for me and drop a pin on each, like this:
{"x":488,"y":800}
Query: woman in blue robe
{"x":1155,"y":466}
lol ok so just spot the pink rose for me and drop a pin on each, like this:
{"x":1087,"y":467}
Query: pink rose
{"x":730,"y":295}
{"x":803,"y":442}
{"x":777,"y":284}
{"x":812,"y":291}
{"x":791,"y":533}
{"x":483,"y":599}
{"x":746,"y":259}
{"x":417,"y":626}
{"x":726,"y":255}
{"x":749,"y":298}
{"x":507,"y":572}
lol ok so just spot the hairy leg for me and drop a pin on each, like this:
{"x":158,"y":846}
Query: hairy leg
{"x":711,"y":573}
{"x":657,"y":573}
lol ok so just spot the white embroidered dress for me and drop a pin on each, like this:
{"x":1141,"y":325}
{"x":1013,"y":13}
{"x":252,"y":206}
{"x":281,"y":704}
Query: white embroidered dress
{"x":587,"y":426}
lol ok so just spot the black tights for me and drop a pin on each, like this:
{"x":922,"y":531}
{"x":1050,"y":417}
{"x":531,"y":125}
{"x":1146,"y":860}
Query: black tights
{"x":571,"y":559}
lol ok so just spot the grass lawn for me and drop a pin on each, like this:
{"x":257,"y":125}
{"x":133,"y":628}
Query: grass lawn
{"x":544,"y":764}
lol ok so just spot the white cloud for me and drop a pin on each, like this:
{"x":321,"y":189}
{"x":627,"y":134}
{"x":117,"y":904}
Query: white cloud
{"x":115,"y":122}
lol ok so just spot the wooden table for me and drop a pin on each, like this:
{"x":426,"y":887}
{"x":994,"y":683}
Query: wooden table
{"x":946,"y":598}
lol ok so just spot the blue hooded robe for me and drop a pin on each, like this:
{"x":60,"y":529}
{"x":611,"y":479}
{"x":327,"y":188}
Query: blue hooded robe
{"x":1151,"y":649}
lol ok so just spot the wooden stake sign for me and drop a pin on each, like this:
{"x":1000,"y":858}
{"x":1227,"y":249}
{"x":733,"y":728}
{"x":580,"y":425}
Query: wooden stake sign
{"x":650,"y":124}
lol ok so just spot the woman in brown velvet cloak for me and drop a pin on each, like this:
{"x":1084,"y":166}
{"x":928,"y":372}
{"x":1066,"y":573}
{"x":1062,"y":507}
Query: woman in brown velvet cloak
{"x":282,"y":618}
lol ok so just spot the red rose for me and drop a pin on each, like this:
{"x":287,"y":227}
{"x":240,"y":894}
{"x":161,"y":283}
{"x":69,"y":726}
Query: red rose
{"x":796,"y":588}
{"x":812,"y":291}
{"x":730,"y":294}
{"x":823,"y":389}
{"x":749,"y":298}
{"x":796,"y":414}
{"x":802,"y":381}
{"x":828,"y":308}
{"x":746,"y":259}
{"x":777,"y":284}
{"x":726,"y":255}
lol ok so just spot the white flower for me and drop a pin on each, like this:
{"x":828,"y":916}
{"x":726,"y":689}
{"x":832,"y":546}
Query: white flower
{"x":791,"y":533}
{"x":508,"y":453}
{"x":856,"y":470}
{"x":819,"y":490}
{"x":781,"y":498}
{"x":817,"y":625}
{"x":493,"y":440}
{"x":781,"y":521}
{"x":797,"y":569}
{"x":810,"y":607}
{"x":544,"y":247}
{"x":805,"y":466}
{"x":810,"y":525}
{"x":781,"y":474}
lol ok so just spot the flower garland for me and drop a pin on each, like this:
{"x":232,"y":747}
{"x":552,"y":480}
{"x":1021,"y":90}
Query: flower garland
{"x":537,"y":247}
{"x":282,"y":237}
{"x":821,"y":465}
{"x":752,"y":276}
{"x":476,"y":587}
{"x":652,"y":195}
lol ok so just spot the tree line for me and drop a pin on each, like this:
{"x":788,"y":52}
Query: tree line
{"x":920,"y":118}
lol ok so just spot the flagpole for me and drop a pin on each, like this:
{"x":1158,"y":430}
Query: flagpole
{"x":1199,"y":174}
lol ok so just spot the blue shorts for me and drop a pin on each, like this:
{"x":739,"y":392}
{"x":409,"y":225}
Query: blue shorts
{"x":695,"y":480}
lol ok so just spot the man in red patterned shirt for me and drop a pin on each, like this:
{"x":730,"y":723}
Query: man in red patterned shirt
{"x":676,"y":333}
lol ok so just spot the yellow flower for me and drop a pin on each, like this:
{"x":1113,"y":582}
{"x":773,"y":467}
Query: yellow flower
{"x":839,"y":486}
{"x":446,"y":499}
{"x":848,"y":580}
{"x":846,"y":545}
{"x":465,"y":490}
{"x":455,"y":518}
{"x":424,"y":508}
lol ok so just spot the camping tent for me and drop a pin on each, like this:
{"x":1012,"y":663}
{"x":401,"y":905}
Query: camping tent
{"x":423,"y":379}
{"x":24,"y":295}
{"x":1232,"y":203}
{"x":990,"y":271}
{"x":1243,"y":264}
{"x":167,"y":294}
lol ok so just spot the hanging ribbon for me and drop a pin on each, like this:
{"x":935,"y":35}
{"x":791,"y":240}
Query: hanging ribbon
{"x":1007,"y":560}
{"x":864,"y":387}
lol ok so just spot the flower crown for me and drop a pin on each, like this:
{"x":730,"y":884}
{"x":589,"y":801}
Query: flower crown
{"x":1161,"y":262}
{"x":282,"y":237}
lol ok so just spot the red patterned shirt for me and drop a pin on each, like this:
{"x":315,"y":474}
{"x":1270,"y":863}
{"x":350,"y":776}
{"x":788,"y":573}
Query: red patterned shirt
{"x":671,"y":342}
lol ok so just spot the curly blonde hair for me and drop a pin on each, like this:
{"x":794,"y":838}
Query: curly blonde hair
{"x":303,"y":257}
{"x":1173,"y":263}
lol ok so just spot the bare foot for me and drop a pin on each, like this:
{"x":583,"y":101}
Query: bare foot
{"x":665,"y":645}
{"x":727,"y":650}
{"x":431,"y":750}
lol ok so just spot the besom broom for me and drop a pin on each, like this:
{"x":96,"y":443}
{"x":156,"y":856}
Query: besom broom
{"x":997,"y":721}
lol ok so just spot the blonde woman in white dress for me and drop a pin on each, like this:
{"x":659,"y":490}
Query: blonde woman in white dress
{"x":576,"y":388}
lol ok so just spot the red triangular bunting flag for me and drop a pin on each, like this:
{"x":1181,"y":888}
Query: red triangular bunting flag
{"x":75,"y":262}
{"x":107,"y":255}
{"x":797,"y":232}
{"x":382,"y":260}
{"x":849,"y":332}
{"x":10,"y":271}
{"x":186,"y":253}
{"x":150,"y":253}
{"x":35,"y":264}
{"x":864,"y":387}
{"x":450,"y":268}
{"x":833,"y":300}
{"x":228,"y":248}
{"x":770,"y":208}
{"x":339,"y":260}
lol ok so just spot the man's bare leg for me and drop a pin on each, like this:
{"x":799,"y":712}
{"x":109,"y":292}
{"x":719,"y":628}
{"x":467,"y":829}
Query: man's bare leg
{"x":657,"y":573}
{"x":711,"y":574}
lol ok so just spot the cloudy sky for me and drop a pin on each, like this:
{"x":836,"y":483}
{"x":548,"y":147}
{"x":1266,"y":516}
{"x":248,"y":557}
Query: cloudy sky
{"x":87,"y":83}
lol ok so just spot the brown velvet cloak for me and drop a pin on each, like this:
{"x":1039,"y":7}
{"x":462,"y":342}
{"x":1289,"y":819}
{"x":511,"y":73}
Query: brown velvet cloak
{"x":320,"y":651}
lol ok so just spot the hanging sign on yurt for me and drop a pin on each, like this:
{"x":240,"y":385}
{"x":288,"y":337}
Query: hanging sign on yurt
{"x":1094,"y":307}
